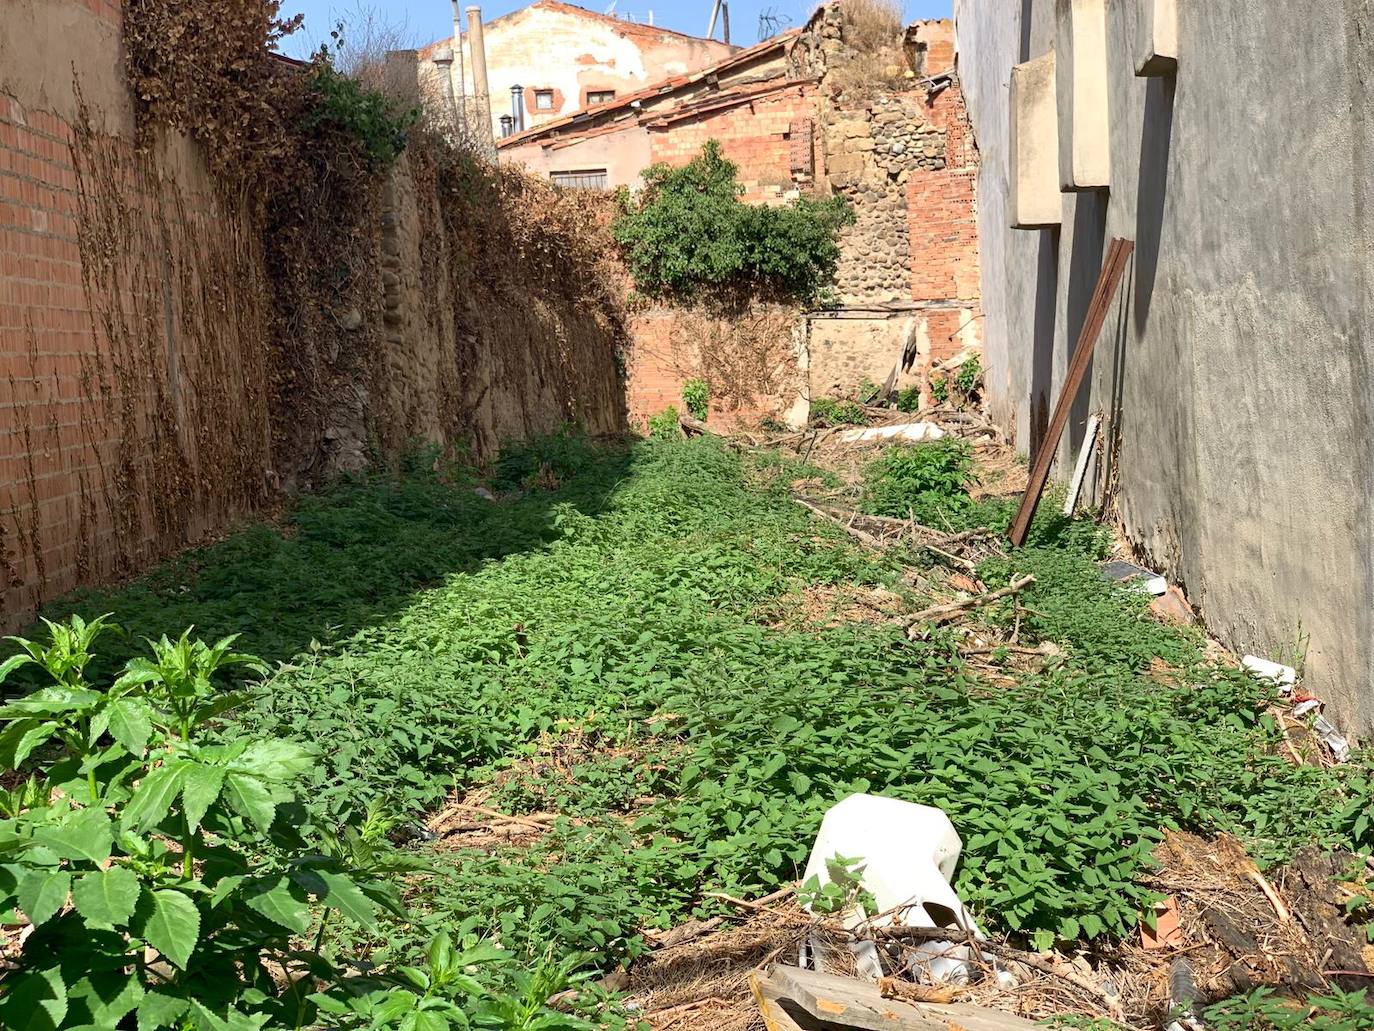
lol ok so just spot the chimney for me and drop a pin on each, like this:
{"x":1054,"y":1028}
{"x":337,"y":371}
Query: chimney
{"x":443,"y":61}
{"x":477,"y":51}
{"x":517,"y":108}
{"x":507,"y":122}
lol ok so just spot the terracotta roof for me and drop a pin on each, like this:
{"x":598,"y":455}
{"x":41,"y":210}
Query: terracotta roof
{"x":664,"y":86}
{"x":625,"y":28}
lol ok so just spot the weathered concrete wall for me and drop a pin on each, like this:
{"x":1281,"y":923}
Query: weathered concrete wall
{"x":623,"y":154}
{"x":1234,"y":368}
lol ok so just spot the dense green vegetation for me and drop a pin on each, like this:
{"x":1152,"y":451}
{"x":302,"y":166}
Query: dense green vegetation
{"x":688,"y":235}
{"x":619,"y":600}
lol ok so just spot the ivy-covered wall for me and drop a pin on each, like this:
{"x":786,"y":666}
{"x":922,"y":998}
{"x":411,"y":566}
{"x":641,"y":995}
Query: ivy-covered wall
{"x":181,"y":347}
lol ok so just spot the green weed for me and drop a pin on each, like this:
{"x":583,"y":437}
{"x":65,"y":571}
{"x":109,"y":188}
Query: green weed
{"x":665,"y":425}
{"x":626,"y":600}
{"x":696,"y":395}
{"x":829,"y":411}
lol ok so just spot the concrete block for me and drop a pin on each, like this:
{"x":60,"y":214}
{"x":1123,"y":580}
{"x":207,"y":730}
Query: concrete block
{"x":1157,"y":42}
{"x":1034,"y":146}
{"x":1084,"y":138}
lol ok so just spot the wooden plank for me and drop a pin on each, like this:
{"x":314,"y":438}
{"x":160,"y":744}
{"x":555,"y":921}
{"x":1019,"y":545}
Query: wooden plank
{"x":1080,"y":470}
{"x":1113,"y":269}
{"x":832,"y":1001}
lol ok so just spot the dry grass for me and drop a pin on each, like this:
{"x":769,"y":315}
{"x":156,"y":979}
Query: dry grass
{"x":872,"y":30}
{"x":872,"y":26}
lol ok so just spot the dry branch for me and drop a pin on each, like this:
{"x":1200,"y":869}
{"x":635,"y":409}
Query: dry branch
{"x":950,"y":610}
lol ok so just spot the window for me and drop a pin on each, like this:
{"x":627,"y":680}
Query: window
{"x":600,"y":96}
{"x":543,"y":100}
{"x":582,"y":179}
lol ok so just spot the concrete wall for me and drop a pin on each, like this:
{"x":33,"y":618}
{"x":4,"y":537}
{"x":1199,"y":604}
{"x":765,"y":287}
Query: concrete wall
{"x":622,"y":152}
{"x":1234,"y":365}
{"x":569,"y":50}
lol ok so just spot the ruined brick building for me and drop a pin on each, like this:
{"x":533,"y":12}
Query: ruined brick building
{"x":808,"y":112}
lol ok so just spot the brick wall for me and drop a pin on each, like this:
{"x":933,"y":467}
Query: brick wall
{"x":943,"y":233}
{"x":145,"y":402}
{"x":749,"y":361}
{"x":766,"y":137}
{"x":133,"y":336}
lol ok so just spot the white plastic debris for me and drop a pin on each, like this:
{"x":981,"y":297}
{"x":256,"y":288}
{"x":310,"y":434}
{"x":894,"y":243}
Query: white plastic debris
{"x":1148,"y":580}
{"x":914,"y":432}
{"x":1283,"y":677}
{"x":904,"y":856}
{"x":1332,"y":738}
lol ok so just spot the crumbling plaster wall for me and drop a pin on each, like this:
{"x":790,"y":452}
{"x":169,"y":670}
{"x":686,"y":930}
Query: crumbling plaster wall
{"x":1234,"y":367}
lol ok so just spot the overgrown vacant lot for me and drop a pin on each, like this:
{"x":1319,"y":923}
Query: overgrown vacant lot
{"x":617,"y":640}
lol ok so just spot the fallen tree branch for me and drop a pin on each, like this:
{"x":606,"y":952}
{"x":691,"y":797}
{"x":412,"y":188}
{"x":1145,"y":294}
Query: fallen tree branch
{"x":692,"y":426}
{"x":950,"y":610}
{"x":853,"y":531}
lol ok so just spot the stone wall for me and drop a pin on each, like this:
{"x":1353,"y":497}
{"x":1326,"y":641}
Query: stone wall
{"x":871,"y":153}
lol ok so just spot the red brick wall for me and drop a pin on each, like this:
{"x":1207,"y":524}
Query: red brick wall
{"x":763,"y":137}
{"x":133,"y":396}
{"x":748,"y":362}
{"x":943,"y":232}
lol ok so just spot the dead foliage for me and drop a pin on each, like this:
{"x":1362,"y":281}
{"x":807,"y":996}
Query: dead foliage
{"x":1237,"y":930}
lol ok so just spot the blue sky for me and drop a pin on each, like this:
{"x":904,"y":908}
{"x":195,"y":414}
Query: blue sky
{"x":423,"y":21}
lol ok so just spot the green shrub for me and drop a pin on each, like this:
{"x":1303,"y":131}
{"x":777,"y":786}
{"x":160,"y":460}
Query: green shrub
{"x":665,"y":425}
{"x":687,"y":234}
{"x":829,"y":411}
{"x":166,"y":839}
{"x":696,"y":395}
{"x":966,"y":379}
{"x":920,"y":478}
{"x":909,"y":400}
{"x":939,"y":389}
{"x":343,"y":108}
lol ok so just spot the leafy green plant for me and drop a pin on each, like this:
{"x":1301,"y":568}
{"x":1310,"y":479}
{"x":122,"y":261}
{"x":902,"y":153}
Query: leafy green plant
{"x":829,"y":411}
{"x":696,"y":395}
{"x":939,"y":389}
{"x":909,"y":400}
{"x":341,"y":108}
{"x":842,"y":892}
{"x":1262,"y":1010}
{"x":665,"y":425}
{"x":868,"y":391}
{"x":966,"y":379}
{"x":927,"y":479}
{"x":687,"y":233}
{"x":154,"y":864}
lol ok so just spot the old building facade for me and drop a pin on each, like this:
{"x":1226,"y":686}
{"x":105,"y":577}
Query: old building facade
{"x":563,"y":58}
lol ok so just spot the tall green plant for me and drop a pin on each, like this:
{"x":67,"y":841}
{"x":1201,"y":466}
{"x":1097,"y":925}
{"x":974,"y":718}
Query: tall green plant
{"x":688,"y":234}
{"x":163,"y":870}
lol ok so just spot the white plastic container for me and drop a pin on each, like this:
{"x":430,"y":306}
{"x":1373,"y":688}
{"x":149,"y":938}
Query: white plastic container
{"x":1266,"y":669}
{"x":907,"y":854}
